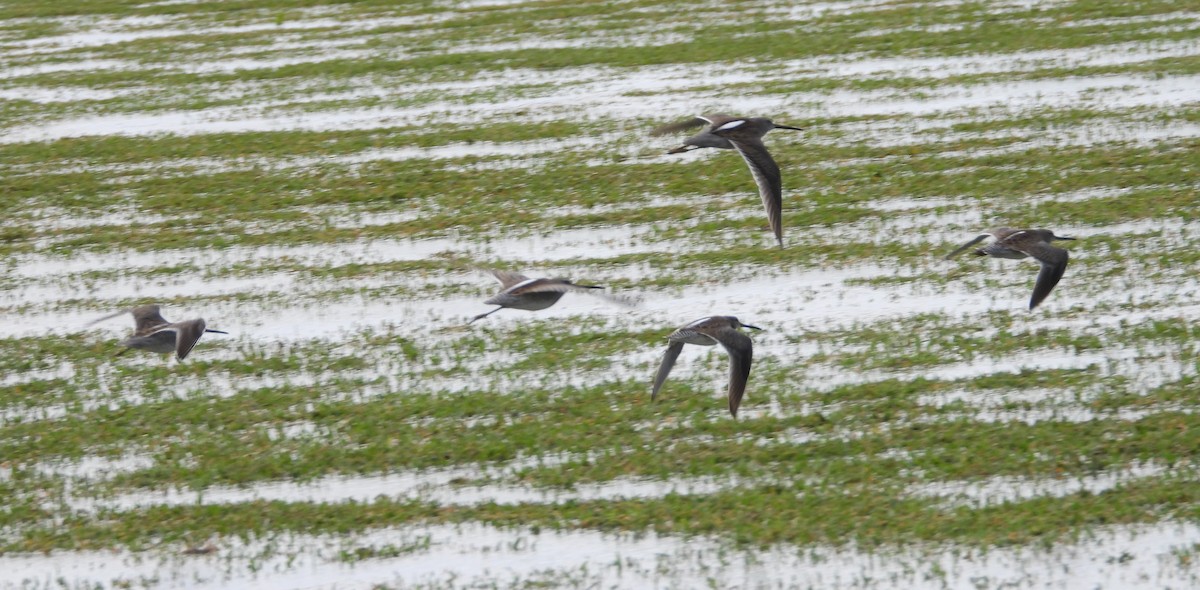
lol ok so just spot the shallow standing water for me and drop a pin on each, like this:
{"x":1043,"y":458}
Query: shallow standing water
{"x":322,"y":183}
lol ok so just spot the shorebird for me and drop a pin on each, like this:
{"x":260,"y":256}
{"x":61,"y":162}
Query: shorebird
{"x":205,"y":549}
{"x":209,"y":547}
{"x":743,"y":134}
{"x":710,"y":331}
{"x":1023,"y":243}
{"x":521,"y":292}
{"x":155,"y":334}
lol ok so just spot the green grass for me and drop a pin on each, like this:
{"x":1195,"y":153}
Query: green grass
{"x":847,"y":418}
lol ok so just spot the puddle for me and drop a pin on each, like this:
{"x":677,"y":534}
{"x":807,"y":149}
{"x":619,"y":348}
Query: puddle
{"x":1110,"y":92}
{"x":1144,"y":375}
{"x":813,"y":10}
{"x":608,"y":99}
{"x":64,"y":370}
{"x":61,"y":94}
{"x":100,"y":31}
{"x":808,"y":298}
{"x":212,"y":385}
{"x":1004,"y":489}
{"x":594,"y":41}
{"x":89,"y":468}
{"x":1192,"y":17}
{"x":224,"y":65}
{"x":146,"y":289}
{"x":1019,"y":61}
{"x":533,"y":248}
{"x":478,"y":555}
{"x":434,"y":486}
{"x":52,"y":218}
{"x":479,"y":155}
{"x":83,"y":65}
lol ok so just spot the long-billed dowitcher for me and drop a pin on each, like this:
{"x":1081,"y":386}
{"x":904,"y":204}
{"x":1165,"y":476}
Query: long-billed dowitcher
{"x":521,"y":292}
{"x":743,"y":134}
{"x":153,"y":333}
{"x":710,"y":331}
{"x":1023,"y":243}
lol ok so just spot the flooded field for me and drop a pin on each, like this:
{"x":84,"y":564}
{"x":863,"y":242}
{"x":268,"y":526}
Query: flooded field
{"x":326,"y":183}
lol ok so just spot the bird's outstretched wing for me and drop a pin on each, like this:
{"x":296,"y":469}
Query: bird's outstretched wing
{"x":664,"y":369}
{"x":145,"y":318}
{"x":507,"y":279}
{"x":766,"y":176}
{"x":548,"y":286}
{"x":741,"y":354}
{"x":1054,"y":264}
{"x":964,"y":247}
{"x":679,"y":126}
{"x":187,"y":334}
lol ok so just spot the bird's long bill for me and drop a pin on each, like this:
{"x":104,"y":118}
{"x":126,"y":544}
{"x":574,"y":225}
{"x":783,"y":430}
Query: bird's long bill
{"x":752,"y":327}
{"x":789,"y":127}
{"x":216,"y":331}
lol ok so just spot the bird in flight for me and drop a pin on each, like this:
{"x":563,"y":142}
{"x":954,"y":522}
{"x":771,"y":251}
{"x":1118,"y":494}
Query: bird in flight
{"x":711,"y":331}
{"x":521,"y":292}
{"x":153,"y":333}
{"x":1024,"y":243}
{"x":743,"y":134}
